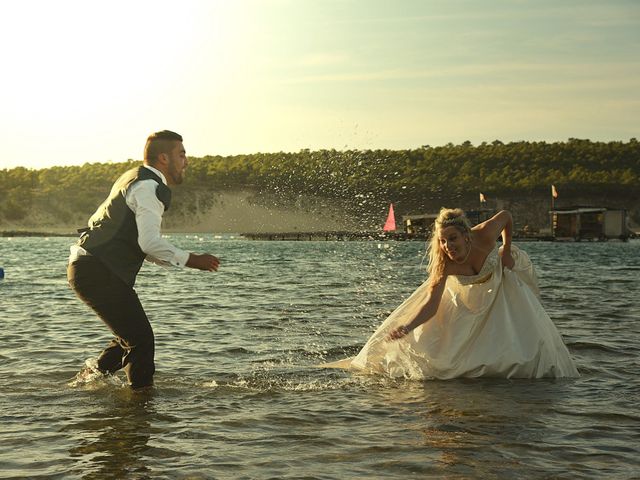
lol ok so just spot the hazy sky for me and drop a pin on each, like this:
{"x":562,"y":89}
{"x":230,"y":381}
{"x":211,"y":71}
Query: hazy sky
{"x":85,"y":81}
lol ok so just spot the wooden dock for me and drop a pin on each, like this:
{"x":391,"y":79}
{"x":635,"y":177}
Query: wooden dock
{"x":332,"y":236}
{"x":397,"y":236}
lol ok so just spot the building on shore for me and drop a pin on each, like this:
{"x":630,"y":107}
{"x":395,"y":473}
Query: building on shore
{"x":423,"y":224}
{"x":568,"y":224}
{"x":418,"y":225}
{"x":589,"y":223}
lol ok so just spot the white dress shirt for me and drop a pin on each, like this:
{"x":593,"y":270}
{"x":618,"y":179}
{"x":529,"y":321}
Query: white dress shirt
{"x":148,"y":209}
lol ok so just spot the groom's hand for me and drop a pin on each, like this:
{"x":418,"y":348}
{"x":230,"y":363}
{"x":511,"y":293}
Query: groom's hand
{"x":203,"y":262}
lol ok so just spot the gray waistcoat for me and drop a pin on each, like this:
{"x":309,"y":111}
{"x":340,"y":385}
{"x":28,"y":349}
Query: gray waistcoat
{"x":113,"y":234}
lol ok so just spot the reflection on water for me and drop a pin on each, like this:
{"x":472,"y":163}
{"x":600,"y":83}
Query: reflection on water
{"x":481,"y":429}
{"x":114,"y":441}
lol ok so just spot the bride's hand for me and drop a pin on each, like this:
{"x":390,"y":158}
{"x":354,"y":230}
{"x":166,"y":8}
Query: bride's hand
{"x":398,"y":333}
{"x":507,"y":259}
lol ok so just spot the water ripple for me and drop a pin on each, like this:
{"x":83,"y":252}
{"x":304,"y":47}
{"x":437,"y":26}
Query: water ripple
{"x":238,"y":395}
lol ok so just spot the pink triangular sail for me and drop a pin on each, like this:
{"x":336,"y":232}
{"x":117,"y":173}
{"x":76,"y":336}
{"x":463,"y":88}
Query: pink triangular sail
{"x":390,"y":224}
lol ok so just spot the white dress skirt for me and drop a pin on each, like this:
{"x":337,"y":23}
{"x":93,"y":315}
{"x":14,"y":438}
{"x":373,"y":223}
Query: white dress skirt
{"x":487,"y":325}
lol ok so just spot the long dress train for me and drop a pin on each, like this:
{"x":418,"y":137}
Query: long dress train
{"x":490,"y":324}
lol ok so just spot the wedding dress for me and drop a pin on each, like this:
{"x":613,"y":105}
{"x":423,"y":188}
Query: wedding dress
{"x":487,"y":325}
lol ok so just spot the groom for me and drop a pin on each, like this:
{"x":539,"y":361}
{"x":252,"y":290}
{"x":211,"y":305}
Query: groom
{"x":122,"y":233}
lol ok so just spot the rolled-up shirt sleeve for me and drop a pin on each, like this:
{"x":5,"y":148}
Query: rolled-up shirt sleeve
{"x":142,"y":200}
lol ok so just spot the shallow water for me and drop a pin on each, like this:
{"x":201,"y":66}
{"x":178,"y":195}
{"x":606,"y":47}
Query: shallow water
{"x":238,"y":395}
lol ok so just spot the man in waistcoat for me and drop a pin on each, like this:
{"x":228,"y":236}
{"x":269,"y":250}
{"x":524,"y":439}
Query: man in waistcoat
{"x":121,"y":234}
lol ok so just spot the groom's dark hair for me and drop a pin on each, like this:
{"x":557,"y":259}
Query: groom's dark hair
{"x":159,"y":142}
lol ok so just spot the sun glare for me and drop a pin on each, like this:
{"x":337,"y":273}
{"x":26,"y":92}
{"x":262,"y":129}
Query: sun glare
{"x":76,"y":67}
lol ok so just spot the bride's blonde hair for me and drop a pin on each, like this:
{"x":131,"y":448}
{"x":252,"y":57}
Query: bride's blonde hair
{"x":448,"y":217}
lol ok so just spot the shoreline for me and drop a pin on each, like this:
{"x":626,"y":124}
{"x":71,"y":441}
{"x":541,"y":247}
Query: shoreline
{"x":318,"y":236}
{"x":29,"y":233}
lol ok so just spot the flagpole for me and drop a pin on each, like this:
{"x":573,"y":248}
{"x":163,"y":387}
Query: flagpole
{"x":553,"y":230}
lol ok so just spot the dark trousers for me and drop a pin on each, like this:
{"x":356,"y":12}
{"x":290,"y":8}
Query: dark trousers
{"x":118,"y":306}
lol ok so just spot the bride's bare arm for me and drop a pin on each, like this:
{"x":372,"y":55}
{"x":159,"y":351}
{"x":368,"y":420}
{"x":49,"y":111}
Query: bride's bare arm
{"x":428,"y":310}
{"x":500,"y":224}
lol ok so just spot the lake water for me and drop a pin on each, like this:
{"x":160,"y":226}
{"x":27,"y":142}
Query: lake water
{"x":238,"y":394}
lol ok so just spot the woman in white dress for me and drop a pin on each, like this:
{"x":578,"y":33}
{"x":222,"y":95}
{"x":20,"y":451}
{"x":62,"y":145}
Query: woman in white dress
{"x":478,"y":314}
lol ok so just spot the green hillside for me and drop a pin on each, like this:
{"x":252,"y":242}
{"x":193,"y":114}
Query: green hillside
{"x":360,"y":181}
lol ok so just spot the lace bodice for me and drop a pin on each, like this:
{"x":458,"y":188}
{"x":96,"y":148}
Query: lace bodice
{"x":485,"y":272}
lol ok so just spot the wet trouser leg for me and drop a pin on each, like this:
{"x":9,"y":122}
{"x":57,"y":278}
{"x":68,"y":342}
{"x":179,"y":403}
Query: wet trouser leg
{"x":118,"y":306}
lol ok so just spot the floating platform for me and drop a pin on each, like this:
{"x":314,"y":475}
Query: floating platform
{"x":397,"y":236}
{"x":332,"y":236}
{"x":26,"y":233}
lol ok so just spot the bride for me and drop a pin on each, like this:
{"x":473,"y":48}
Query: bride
{"x":478,"y":314}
